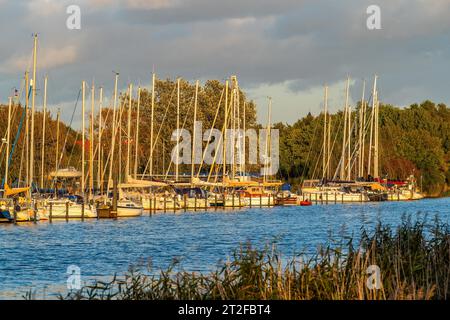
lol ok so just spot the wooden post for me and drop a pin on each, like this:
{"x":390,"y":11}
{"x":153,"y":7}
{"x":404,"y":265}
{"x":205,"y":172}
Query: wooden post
{"x":335,"y":198}
{"x":67,"y":211}
{"x":260,"y":200}
{"x":268,"y":203}
{"x":342,"y":196}
{"x":35,"y":211}
{"x":51,"y":213}
{"x":195,"y":202}
{"x":14,"y":213}
{"x":215,"y":199}
{"x":185,"y":202}
{"x":224,"y":200}
{"x":82,"y":211}
{"x":174,"y":203}
{"x":232,"y":200}
{"x":398,"y":195}
{"x":326,"y":198}
{"x":206,"y":202}
{"x":239,"y":197}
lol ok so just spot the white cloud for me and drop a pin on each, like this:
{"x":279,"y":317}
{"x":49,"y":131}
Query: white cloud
{"x":48,"y":58}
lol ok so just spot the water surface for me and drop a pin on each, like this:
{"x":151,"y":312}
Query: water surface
{"x":36,"y":256}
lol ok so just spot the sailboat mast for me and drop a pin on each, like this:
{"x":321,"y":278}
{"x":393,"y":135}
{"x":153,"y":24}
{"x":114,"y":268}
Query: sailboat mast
{"x":344,"y":140}
{"x":224,"y":158}
{"x":113,"y":135}
{"x":100,"y":129}
{"x":325,"y":133}
{"x":57,"y":141}
{"x":349,"y":133}
{"x":33,"y":100}
{"x":374,"y":93}
{"x":136,"y":155}
{"x":91,"y":144}
{"x":243,"y":142}
{"x":376,"y":150}
{"x":83,"y":95}
{"x":8,"y":137}
{"x":27,"y":126}
{"x":151,"y":123}
{"x":129,"y":133}
{"x":178,"y":128}
{"x":361,"y":130}
{"x":44,"y":114}
{"x":194,"y":133}
{"x":266,"y":154}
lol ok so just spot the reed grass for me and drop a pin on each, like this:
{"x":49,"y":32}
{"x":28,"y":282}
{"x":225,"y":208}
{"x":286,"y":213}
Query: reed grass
{"x":414,"y":259}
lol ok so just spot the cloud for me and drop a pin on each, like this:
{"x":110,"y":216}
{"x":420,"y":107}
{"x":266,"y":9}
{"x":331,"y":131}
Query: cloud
{"x":47,"y":59}
{"x":289,"y":47}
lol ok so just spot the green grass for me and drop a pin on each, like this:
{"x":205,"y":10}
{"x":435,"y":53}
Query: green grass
{"x":414,"y":260}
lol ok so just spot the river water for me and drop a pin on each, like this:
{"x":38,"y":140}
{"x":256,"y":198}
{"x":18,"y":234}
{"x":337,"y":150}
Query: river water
{"x":36,"y":256}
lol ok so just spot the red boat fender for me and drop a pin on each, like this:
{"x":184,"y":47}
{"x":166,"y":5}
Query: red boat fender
{"x":305,"y":203}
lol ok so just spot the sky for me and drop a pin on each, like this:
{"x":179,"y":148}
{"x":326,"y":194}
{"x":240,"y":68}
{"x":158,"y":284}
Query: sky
{"x":285,"y":49}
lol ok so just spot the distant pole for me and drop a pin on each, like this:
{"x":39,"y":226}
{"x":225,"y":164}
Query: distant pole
{"x":43,"y":133}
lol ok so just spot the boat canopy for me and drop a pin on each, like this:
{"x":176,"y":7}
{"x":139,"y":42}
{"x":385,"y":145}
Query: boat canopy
{"x":70,"y":172}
